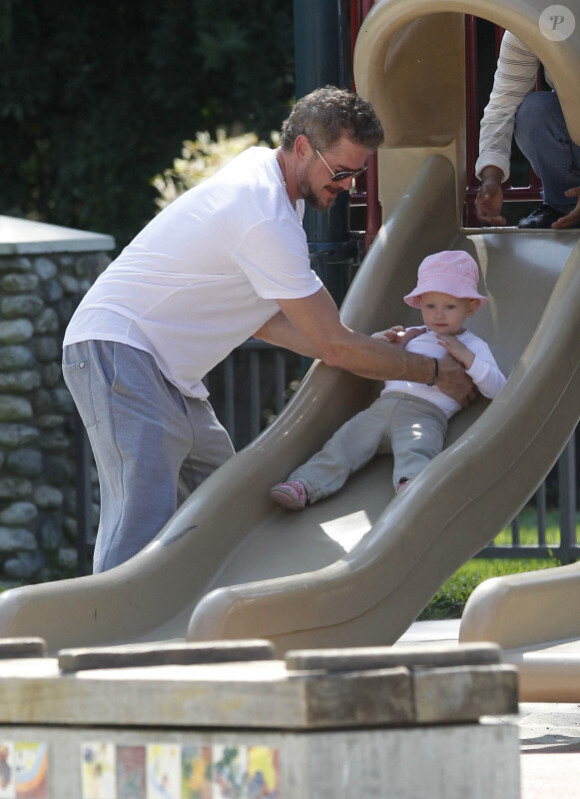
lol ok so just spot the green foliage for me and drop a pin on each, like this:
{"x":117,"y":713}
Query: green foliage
{"x":97,"y":97}
{"x":528,"y":533}
{"x":449,"y":601}
{"x":199,"y":160}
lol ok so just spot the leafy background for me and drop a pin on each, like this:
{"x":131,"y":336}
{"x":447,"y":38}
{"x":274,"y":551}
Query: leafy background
{"x":96,"y":98}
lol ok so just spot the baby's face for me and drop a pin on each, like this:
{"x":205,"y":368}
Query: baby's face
{"x":443,"y":313}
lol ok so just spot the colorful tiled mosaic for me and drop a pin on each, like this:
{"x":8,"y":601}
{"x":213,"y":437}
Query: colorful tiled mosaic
{"x":172,"y":771}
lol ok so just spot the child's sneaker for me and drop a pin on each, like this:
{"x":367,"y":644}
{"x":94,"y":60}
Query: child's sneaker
{"x":291,"y":495}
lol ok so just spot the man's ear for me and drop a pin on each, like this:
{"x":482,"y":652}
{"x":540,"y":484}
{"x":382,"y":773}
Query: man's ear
{"x":302,"y":147}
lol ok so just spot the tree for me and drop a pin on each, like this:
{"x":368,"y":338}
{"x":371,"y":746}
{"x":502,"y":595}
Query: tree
{"x":96,"y":98}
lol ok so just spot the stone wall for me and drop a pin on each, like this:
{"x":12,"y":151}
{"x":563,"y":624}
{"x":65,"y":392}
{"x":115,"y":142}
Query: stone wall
{"x":38,"y":528}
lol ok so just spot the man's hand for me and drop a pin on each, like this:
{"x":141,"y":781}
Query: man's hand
{"x":573,"y":218}
{"x":454,"y":382}
{"x":312,"y":326}
{"x":489,"y":200}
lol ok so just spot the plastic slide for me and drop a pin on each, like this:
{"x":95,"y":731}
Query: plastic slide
{"x":357,"y":568}
{"x":534,"y":618}
{"x":413,"y":84}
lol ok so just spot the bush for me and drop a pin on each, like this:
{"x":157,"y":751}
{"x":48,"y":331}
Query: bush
{"x":97,"y":97}
{"x":449,"y":601}
{"x":200,"y":159}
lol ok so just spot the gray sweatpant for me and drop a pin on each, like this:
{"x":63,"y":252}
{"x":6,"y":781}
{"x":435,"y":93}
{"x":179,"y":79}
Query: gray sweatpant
{"x":152,"y":445}
{"x":413,"y":430}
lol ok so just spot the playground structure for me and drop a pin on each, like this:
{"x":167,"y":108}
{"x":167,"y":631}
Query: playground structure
{"x":356,"y":569}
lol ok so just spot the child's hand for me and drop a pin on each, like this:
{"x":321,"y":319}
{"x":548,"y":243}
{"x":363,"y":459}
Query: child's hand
{"x":391,"y":335}
{"x":458,"y":350}
{"x":398,"y":335}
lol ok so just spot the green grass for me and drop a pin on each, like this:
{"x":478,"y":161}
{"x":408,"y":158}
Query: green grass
{"x":529,"y":530}
{"x":449,"y":601}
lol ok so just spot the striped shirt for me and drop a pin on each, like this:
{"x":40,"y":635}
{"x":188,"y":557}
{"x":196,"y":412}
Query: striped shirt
{"x":514,"y":79}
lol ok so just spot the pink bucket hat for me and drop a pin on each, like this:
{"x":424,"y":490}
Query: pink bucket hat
{"x":451,"y":272}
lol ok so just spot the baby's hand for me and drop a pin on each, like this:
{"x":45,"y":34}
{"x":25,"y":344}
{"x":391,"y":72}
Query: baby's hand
{"x":398,"y":335}
{"x":390,"y":335}
{"x":458,"y":350}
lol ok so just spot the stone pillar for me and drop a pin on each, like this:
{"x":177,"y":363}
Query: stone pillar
{"x":44,"y":271}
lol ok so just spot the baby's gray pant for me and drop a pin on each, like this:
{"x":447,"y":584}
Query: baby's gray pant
{"x":413,"y":430}
{"x":152,"y":445}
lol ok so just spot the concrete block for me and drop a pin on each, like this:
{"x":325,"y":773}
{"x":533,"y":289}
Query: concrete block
{"x":251,"y":694}
{"x":464,"y":693}
{"x":254,"y":694}
{"x":22,"y":648}
{"x":382,"y":657}
{"x":479,"y":761}
{"x":368,"y":698}
{"x":160,"y":654}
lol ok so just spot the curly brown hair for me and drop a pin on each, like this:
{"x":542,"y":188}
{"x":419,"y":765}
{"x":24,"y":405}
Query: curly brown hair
{"x":327,"y":114}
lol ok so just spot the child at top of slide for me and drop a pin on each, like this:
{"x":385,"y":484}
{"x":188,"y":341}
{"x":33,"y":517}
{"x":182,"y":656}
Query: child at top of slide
{"x":408,"y":419}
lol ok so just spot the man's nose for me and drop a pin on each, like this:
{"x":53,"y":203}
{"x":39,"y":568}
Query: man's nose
{"x":345,"y":184}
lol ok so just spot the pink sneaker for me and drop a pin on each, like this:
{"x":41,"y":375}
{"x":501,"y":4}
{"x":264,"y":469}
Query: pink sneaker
{"x":291,"y":495}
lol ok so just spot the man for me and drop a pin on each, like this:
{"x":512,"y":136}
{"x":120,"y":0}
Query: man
{"x":226,"y":260}
{"x":542,"y":136}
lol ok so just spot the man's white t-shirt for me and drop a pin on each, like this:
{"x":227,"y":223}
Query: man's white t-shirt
{"x":205,"y":273}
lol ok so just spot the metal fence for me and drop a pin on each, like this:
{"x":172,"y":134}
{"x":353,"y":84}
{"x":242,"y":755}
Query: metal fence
{"x":564,"y":546}
{"x":250,"y":388}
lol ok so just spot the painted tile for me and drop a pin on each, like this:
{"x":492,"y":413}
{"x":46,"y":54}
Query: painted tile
{"x":7,"y":771}
{"x":230,"y":772}
{"x":98,"y":772}
{"x":196,"y":772}
{"x":31,"y":760}
{"x":263,"y":773}
{"x":163,"y":771}
{"x":131,"y":772}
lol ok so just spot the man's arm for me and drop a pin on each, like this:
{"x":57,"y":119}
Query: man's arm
{"x":280,"y":331}
{"x":312,"y":327}
{"x":513,"y":80}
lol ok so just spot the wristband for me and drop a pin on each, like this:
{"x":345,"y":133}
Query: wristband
{"x":436,"y":375}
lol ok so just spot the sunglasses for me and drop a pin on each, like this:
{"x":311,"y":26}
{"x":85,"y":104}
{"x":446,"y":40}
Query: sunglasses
{"x":337,"y":177}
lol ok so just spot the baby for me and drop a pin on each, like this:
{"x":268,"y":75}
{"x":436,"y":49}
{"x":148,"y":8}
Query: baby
{"x":408,"y":419}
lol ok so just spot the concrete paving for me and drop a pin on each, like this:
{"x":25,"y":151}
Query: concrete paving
{"x":549,"y":733}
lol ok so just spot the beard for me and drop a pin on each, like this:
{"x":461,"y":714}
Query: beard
{"x":311,"y":198}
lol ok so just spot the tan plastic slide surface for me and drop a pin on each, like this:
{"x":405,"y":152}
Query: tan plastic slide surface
{"x":414,"y":83}
{"x":355,"y":569}
{"x":534,"y":617}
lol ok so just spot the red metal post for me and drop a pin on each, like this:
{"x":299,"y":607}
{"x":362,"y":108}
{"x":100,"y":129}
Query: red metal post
{"x":355,"y":20}
{"x":366,"y":6}
{"x":472,"y":121}
{"x":358,"y":11}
